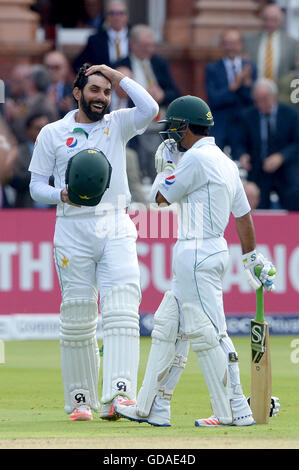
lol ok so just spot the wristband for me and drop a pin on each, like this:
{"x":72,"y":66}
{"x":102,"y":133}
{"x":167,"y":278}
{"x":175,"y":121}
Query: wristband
{"x":249,"y":258}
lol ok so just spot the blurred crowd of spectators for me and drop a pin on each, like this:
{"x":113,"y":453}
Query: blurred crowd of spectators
{"x":251,"y":91}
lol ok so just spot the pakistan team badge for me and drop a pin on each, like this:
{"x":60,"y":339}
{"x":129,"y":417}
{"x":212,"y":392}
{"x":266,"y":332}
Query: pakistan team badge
{"x":65,"y":262}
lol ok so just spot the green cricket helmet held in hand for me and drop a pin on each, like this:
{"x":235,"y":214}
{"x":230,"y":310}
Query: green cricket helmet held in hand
{"x":181,"y":113}
{"x":87,"y":177}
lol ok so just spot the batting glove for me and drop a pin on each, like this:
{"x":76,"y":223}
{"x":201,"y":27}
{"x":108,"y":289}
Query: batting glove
{"x":166,"y":155}
{"x":274,"y":406}
{"x":266,"y":274}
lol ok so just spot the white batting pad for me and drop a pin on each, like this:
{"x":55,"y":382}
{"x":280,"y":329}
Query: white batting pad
{"x":212,"y":359}
{"x":239,"y":402}
{"x":162,"y":353}
{"x":168,"y":384}
{"x":79,"y":353}
{"x":120,"y":317}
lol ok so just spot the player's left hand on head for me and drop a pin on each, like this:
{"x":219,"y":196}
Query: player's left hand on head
{"x":259,"y":271}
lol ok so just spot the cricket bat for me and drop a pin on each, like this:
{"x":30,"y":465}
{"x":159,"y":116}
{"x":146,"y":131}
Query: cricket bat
{"x":261,"y":376}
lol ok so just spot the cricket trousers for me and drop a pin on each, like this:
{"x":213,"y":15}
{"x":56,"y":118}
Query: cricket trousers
{"x":96,"y":255}
{"x":198,"y":270}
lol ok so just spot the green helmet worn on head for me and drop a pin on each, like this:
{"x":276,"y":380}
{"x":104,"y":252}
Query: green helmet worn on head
{"x":184,"y":111}
{"x":87,"y":177}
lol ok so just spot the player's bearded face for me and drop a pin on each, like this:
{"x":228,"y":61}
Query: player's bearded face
{"x":94,"y":109}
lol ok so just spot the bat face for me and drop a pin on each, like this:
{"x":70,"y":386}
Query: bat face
{"x":261,"y":378}
{"x":260,"y":372}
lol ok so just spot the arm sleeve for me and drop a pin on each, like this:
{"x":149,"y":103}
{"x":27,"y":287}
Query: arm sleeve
{"x":43,"y":157}
{"x":41,"y":191}
{"x":182,"y":181}
{"x":145,"y":110}
{"x":158,"y":180}
{"x":240,"y":204}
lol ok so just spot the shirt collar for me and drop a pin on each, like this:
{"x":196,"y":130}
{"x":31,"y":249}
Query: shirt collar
{"x":274,"y":35}
{"x":117,"y":34}
{"x":272,"y":113}
{"x":237,"y":60}
{"x":71,"y":123}
{"x":139,"y":61}
{"x":204,"y":141}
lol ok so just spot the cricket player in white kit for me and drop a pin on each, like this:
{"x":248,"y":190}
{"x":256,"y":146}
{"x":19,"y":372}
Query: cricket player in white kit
{"x":206,"y":185}
{"x":95,"y":247}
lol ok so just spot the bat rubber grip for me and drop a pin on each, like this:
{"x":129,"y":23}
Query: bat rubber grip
{"x":260,"y":305}
{"x":259,"y":298}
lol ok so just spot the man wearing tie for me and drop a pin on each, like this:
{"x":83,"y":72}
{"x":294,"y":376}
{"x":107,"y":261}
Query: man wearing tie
{"x":60,"y":92}
{"x":273,"y":51}
{"x":8,"y":155}
{"x":269,"y":146}
{"x":110,"y":43}
{"x":228,"y":85}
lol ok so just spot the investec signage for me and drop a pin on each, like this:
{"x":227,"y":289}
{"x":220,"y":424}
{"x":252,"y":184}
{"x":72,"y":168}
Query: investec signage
{"x":29,"y":284}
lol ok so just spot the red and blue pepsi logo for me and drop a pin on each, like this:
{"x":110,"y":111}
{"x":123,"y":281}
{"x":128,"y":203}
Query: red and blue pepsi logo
{"x":170,"y":180}
{"x":71,"y":142}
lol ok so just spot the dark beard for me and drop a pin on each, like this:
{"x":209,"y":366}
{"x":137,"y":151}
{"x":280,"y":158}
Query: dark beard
{"x":91,"y":115}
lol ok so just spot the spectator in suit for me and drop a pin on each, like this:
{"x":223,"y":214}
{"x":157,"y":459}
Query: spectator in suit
{"x":16,"y":83}
{"x":92,"y":15}
{"x":253,"y":194}
{"x":15,"y":101}
{"x":36,"y":100}
{"x":60,"y":91}
{"x":273,"y":51}
{"x":153,"y":73}
{"x":288,"y":88}
{"x":119,"y":99}
{"x":134,"y":177}
{"x":110,"y":43}
{"x":269,"y":146}
{"x":229,"y":85}
{"x":8,"y":155}
{"x":21,"y":176}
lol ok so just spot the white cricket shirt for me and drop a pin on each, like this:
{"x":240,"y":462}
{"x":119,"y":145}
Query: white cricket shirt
{"x":60,"y":140}
{"x":207,"y":187}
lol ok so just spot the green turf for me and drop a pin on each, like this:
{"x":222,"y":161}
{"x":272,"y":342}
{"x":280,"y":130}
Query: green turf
{"x":31,"y":397}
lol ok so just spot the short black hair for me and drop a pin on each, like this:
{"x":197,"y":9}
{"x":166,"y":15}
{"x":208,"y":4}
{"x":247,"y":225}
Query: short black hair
{"x":199,"y":130}
{"x":81,"y":79}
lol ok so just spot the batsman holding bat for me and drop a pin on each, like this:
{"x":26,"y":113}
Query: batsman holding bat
{"x":95,"y":239}
{"x":205,"y":183}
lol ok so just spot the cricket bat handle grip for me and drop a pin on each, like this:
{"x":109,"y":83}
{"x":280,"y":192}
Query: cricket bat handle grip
{"x":259,"y":297}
